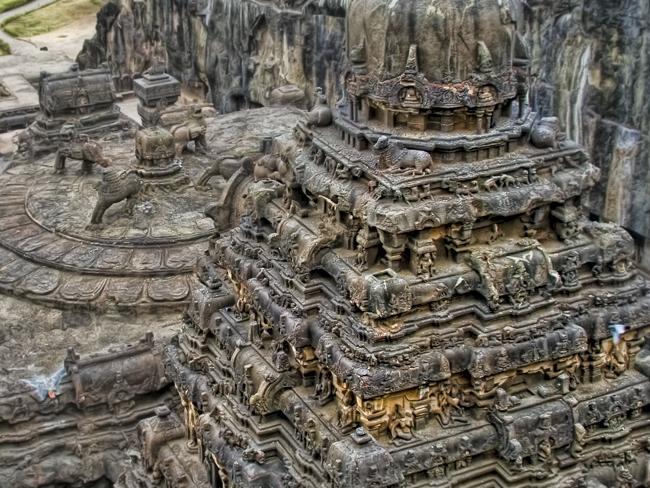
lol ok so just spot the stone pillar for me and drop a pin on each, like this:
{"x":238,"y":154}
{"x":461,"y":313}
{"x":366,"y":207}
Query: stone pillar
{"x":394,"y":246}
{"x":489,"y":114}
{"x":365,"y":110}
{"x":480,"y":114}
{"x":266,"y":145}
{"x":447,"y":121}
{"x":389,"y":118}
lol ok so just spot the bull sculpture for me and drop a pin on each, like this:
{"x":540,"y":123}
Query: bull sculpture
{"x":320,"y":115}
{"x":546,"y":133}
{"x":395,"y":159}
{"x":271,"y":166}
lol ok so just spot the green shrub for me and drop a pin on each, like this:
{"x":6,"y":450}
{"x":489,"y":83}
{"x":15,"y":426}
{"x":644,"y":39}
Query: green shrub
{"x":4,"y":48}
{"x":11,"y":4}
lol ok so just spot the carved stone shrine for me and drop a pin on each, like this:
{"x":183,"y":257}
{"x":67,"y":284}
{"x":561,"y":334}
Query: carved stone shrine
{"x":413,"y":295}
{"x":155,"y":151}
{"x":84,"y":100}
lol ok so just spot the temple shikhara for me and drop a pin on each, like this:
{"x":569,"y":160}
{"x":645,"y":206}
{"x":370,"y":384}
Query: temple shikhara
{"x":414,"y":296}
{"x":397,"y":285}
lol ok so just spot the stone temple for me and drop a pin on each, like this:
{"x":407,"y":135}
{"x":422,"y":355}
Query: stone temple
{"x":401,"y":288}
{"x":415,"y":297}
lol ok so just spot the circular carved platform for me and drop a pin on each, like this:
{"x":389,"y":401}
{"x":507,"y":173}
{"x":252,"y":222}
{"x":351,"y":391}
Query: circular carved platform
{"x":59,"y":261}
{"x":161,"y":218}
{"x":145,"y":261}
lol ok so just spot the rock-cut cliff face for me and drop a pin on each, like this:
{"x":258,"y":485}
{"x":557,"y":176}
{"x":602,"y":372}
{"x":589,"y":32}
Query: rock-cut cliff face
{"x":236,"y":52}
{"x":592,"y":68}
{"x":591,"y":61}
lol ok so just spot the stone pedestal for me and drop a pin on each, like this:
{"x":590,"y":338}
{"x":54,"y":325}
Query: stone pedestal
{"x":84,"y":100}
{"x":156,"y":161}
{"x":155,"y":92}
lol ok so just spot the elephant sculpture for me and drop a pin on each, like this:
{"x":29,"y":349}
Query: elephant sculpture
{"x":193,"y":129}
{"x":225,"y":167}
{"x":396,"y":159}
{"x":115,"y":187}
{"x":389,"y":297}
{"x":83,"y":149}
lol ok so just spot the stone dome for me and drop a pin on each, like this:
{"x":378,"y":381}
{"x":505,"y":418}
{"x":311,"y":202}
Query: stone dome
{"x":455,"y":38}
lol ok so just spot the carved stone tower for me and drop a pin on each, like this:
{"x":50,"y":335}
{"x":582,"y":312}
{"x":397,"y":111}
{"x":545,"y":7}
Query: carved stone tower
{"x":414,"y":296}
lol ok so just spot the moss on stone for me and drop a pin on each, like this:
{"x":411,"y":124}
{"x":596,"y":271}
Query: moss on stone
{"x":4,"y":48}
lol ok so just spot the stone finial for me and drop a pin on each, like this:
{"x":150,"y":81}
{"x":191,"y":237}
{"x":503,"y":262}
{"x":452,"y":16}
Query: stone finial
{"x":412,"y":59}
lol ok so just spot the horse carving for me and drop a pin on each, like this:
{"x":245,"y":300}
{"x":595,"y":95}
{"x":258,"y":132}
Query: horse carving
{"x":396,"y":159}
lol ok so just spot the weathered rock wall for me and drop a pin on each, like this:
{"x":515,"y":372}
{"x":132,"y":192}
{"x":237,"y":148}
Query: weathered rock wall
{"x":591,"y":68}
{"x":235,"y":51}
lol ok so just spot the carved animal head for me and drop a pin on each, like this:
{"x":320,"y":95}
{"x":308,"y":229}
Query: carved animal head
{"x":105,"y":162}
{"x":382,"y":144}
{"x":247,"y":164}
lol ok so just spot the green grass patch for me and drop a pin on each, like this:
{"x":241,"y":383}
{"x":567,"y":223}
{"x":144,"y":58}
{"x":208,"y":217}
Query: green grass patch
{"x":11,"y":4}
{"x":51,"y":17}
{"x":4,"y":48}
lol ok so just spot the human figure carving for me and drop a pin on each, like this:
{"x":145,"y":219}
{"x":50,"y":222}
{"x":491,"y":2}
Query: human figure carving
{"x":450,"y":404}
{"x":345,"y":414}
{"x":401,"y":424}
{"x":616,"y":358}
{"x":323,"y":388}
